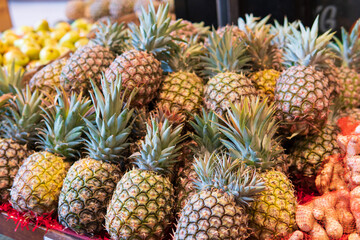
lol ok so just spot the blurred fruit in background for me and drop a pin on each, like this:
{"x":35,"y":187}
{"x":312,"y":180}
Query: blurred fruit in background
{"x":32,"y":46}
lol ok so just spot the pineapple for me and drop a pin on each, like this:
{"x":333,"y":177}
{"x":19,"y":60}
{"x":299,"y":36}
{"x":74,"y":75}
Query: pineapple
{"x":250,"y":128}
{"x":302,"y":91}
{"x":219,"y":210}
{"x":310,"y":152}
{"x":139,"y":67}
{"x":207,"y":140}
{"x":89,"y":61}
{"x":182,"y":89}
{"x":99,"y":9}
{"x":141,"y":206}
{"x":48,"y":78}
{"x":190,"y":30}
{"x":10,"y":78}
{"x":224,"y":63}
{"x":347,"y":49}
{"x":119,"y":8}
{"x":264,"y":59}
{"x":19,"y":135}
{"x":38,"y":182}
{"x":90,"y":182}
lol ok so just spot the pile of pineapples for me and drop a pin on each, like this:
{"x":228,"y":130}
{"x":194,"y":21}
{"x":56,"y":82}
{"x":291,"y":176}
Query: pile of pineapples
{"x":170,"y":130}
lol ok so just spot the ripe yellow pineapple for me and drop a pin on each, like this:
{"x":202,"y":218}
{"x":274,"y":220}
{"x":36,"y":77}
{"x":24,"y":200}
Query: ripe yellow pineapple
{"x":250,"y":129}
{"x":302,"y":92}
{"x":224,"y":65}
{"x":142,"y":204}
{"x":90,"y":182}
{"x":219,"y":209}
{"x":140,"y":67}
{"x":37,"y":184}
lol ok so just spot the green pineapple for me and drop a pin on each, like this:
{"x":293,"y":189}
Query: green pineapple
{"x":182,"y":90}
{"x":140,"y":67}
{"x":38,"y":182}
{"x":219,"y":209}
{"x":310,"y":152}
{"x":224,"y":65}
{"x":88,"y":62}
{"x":250,"y":129}
{"x":348,"y":51}
{"x":19,"y":127}
{"x":142,"y":204}
{"x":90,"y":182}
{"x":302,"y":92}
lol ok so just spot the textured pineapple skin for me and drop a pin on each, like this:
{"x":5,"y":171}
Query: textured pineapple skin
{"x":12,"y":156}
{"x":226,"y":88}
{"x":181,"y":91}
{"x":141,"y":206}
{"x":309,"y":153}
{"x":349,"y":86}
{"x":186,"y":32}
{"x":212,"y":214}
{"x":48,"y":78}
{"x":38,"y":182}
{"x":272,"y":214}
{"x":265,"y":82}
{"x":332,"y":73}
{"x":88,"y":62}
{"x":302,"y":99}
{"x":140,"y":70}
{"x":86,"y":193}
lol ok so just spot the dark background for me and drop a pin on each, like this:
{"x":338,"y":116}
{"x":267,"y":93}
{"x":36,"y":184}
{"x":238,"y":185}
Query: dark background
{"x":333,"y":13}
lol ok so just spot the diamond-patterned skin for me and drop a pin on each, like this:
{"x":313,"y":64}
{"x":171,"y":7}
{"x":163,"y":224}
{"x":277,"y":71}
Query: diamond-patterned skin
{"x":181,"y":91}
{"x":141,"y":206}
{"x":309,"y":153}
{"x":12,"y":155}
{"x":332,"y":73}
{"x":88,"y":62}
{"x":185,"y":186}
{"x":186,"y":32}
{"x":349,"y":86}
{"x":226,"y":88}
{"x":85,"y":195}
{"x":138,"y":69}
{"x":272,"y":214}
{"x":265,"y":82}
{"x":302,"y":98}
{"x":38,"y":183}
{"x":48,"y":78}
{"x":212,"y":214}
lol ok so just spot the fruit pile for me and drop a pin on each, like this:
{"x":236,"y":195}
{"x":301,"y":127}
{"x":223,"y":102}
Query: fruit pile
{"x":170,"y":130}
{"x":29,"y":47}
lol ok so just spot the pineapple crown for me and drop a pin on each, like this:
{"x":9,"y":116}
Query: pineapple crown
{"x":64,"y":124}
{"x":251,"y":23}
{"x":159,"y":150}
{"x":229,"y":175}
{"x":281,"y":32}
{"x":224,"y":54}
{"x":261,"y":49}
{"x":207,"y":134}
{"x":107,"y":137}
{"x":249,"y":129}
{"x":348,"y":48}
{"x":305,"y":47}
{"x":154,"y":33}
{"x":10,"y":79}
{"x":24,"y":118}
{"x":4,"y":99}
{"x":111,"y":35}
{"x":187,"y":57}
